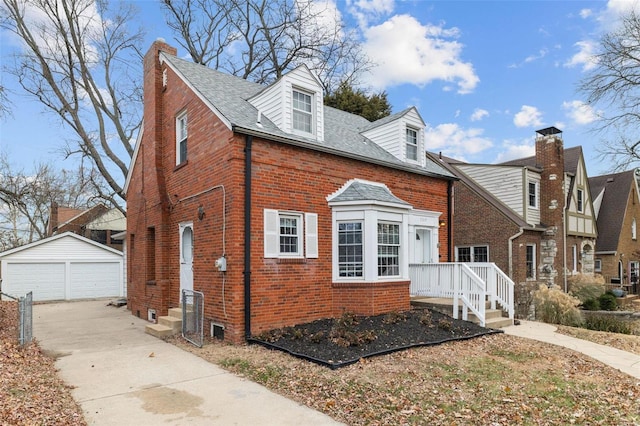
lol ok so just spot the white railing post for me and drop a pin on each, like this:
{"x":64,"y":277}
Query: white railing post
{"x":456,"y":290}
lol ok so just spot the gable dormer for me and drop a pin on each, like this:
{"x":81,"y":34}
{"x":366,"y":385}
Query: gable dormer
{"x":294,"y":103}
{"x":401,"y":134}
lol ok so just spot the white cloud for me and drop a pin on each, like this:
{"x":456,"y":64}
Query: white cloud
{"x":365,"y":10}
{"x":456,"y":141}
{"x":584,"y":57}
{"x":479,"y":114}
{"x":407,"y":51}
{"x":580,"y":112}
{"x":515,"y":151}
{"x":541,"y":54}
{"x":528,"y":116}
{"x":585,"y":13}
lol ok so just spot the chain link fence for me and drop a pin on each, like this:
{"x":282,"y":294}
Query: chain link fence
{"x":25,"y":317}
{"x":193,"y":317}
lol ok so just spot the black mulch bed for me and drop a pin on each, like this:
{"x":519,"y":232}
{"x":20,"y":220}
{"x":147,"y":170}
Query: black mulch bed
{"x":343,"y":341}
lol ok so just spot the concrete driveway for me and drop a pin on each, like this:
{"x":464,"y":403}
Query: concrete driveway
{"x":122,"y":376}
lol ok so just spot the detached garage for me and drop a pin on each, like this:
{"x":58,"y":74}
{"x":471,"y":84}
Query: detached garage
{"x":62,"y":267}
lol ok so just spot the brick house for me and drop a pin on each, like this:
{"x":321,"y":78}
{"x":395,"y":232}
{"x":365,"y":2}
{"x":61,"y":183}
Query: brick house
{"x":279,"y":209}
{"x":98,"y":223}
{"x":617,"y":255}
{"x":532,"y":217}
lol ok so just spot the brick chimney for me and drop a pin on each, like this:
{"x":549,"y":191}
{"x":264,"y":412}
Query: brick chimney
{"x":550,"y":158}
{"x":53,"y":219}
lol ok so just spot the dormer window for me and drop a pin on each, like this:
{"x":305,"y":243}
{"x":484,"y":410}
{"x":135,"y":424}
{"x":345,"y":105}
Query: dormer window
{"x":302,"y":111}
{"x":412,"y":144}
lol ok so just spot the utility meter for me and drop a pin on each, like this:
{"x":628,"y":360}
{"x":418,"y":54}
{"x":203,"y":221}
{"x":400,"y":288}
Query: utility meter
{"x":221,"y":264}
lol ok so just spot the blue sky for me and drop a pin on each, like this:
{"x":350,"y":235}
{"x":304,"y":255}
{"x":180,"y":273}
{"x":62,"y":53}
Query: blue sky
{"x":484,"y":75}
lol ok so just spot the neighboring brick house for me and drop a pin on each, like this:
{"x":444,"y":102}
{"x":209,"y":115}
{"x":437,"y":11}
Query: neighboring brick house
{"x":513,"y":214}
{"x":279,"y":209}
{"x":98,"y":223}
{"x":617,"y":206}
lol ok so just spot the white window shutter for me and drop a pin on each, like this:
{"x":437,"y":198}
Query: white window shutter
{"x":270,"y":233}
{"x":311,"y":234}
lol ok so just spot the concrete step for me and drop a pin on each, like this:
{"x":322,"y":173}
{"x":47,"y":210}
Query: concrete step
{"x":174,"y":323}
{"x":175,"y":312}
{"x":158,"y":330}
{"x":498,"y":322}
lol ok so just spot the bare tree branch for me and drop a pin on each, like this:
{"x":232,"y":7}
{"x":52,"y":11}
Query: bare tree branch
{"x":80,"y":62}
{"x":260,"y":40}
{"x":614,"y":83}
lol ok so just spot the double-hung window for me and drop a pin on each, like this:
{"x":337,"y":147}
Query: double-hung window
{"x":472,"y":254}
{"x":302,"y":111}
{"x":412,"y":144}
{"x":290,"y":234}
{"x":181,"y":138}
{"x":350,"y":253}
{"x":533,"y":194}
{"x":388,"y":249}
{"x":531,"y":261}
{"x":580,"y":200}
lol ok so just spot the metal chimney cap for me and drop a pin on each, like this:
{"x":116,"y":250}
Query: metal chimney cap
{"x":549,"y":131}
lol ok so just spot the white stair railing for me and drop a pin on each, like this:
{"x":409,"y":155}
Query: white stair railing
{"x":499,"y":286}
{"x":451,"y":280}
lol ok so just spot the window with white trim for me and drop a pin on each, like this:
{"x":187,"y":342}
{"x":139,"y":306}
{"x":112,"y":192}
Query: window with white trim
{"x":580,"y":200}
{"x":533,"y":194}
{"x":472,"y":254}
{"x":597,"y":265}
{"x":350,"y":253}
{"x":530,"y":261}
{"x":290,"y":234}
{"x":388,"y":249}
{"x":411,"y":144}
{"x":634,"y":229}
{"x":181,"y":138}
{"x":302,"y":111}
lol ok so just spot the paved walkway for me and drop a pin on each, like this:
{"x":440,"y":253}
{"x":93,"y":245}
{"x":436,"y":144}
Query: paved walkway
{"x":122,"y":376}
{"x":624,"y":361}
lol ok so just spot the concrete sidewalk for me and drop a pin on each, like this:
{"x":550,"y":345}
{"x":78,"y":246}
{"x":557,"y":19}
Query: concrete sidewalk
{"x":122,"y":376}
{"x":624,"y":361}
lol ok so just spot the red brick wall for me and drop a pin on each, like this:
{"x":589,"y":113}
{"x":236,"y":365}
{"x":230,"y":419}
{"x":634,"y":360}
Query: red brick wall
{"x":477,"y":222}
{"x":283,"y":292}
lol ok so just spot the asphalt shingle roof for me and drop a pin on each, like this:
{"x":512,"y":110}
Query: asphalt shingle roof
{"x":364,"y":191}
{"x":229,"y":96}
{"x":613,"y":207}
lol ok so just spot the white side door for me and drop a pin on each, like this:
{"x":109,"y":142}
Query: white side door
{"x":186,"y":257}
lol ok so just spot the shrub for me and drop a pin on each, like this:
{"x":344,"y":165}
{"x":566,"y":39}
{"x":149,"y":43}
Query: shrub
{"x":608,"y":301}
{"x":556,"y":307}
{"x":586,"y":287}
{"x":591,"y":305}
{"x":607,"y":323}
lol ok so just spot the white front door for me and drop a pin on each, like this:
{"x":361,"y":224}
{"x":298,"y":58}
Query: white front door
{"x":422,"y":241}
{"x":186,"y":257}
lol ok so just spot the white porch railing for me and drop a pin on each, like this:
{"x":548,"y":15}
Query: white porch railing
{"x":499,"y":286}
{"x":450,"y":280}
{"x":472,"y":283}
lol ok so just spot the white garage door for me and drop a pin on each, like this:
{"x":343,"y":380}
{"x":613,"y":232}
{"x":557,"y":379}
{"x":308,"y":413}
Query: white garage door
{"x":45,"y":280}
{"x":91,"y":280}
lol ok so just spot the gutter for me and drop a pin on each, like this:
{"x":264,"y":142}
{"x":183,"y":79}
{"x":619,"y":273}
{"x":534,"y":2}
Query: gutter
{"x":510,"y":249}
{"x":247,"y":236}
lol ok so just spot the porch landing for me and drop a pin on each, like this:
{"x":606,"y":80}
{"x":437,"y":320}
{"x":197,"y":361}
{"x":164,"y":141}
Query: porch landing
{"x":494,"y":318}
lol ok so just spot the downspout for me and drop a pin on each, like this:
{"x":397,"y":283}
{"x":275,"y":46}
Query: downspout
{"x":510,"y":249}
{"x":247,"y":236}
{"x":449,"y":219}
